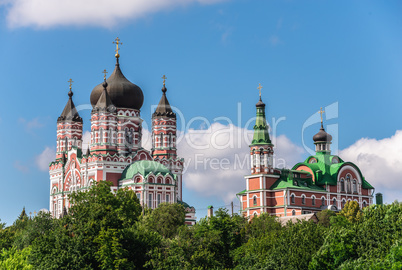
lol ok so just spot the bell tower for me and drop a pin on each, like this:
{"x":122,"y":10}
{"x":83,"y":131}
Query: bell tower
{"x":69,"y":127}
{"x":164,"y":129}
{"x":103,"y":124}
{"x":261,"y":148}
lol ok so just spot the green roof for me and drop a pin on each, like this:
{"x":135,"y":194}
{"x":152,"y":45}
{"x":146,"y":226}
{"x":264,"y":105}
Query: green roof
{"x":288,"y":180}
{"x":145,"y":167}
{"x":261,"y":135}
{"x":186,"y":205}
{"x":326,"y":172}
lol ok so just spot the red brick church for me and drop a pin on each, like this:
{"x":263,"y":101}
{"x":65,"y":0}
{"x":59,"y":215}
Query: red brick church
{"x":322,"y":181}
{"x":115,"y":152}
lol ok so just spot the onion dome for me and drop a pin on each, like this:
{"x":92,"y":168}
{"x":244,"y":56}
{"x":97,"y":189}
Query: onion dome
{"x":122,"y":92}
{"x":164,"y":108}
{"x":260,"y":103}
{"x":322,"y":136}
{"x":70,"y":112}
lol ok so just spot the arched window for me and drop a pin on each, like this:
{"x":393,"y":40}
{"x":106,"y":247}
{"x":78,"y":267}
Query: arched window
{"x":334,"y":201}
{"x":348,"y":187}
{"x":161,"y":139}
{"x":364,"y":204}
{"x":343,"y":203}
{"x":354,"y":186}
{"x":158,"y":200}
{"x":254,"y":200}
{"x":262,"y":157}
{"x":292,"y":198}
{"x":150,"y":200}
{"x":303,"y":199}
{"x":293,"y":213}
{"x":313,"y":200}
{"x":255,"y":214}
{"x":322,"y":201}
{"x":342,"y":185}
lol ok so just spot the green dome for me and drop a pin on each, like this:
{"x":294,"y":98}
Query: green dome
{"x":145,"y":167}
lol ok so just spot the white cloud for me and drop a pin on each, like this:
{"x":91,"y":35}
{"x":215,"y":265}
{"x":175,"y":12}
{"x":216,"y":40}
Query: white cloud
{"x":30,"y":125}
{"x":146,"y":139}
{"x":217,"y":158}
{"x":86,"y":140}
{"x":380,"y":162}
{"x":45,"y":158}
{"x":104,"y":13}
{"x":21,"y":167}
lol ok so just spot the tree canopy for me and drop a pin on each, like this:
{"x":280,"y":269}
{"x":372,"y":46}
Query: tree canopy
{"x":105,"y":230}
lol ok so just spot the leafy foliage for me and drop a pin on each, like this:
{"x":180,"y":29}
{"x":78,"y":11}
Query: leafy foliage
{"x":105,"y":230}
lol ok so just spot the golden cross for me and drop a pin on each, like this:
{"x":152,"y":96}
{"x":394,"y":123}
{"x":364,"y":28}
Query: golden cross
{"x":164,"y":79}
{"x":71,"y":82}
{"x":117,"y":42}
{"x":259,"y":88}
{"x":321,"y":112}
{"x":104,"y":72}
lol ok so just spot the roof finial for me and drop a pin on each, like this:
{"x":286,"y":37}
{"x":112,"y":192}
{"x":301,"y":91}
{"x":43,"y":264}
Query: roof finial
{"x":164,"y":81}
{"x":71,"y":82}
{"x":104,"y":78}
{"x":321,"y":112}
{"x":70,"y":93}
{"x":259,"y":88}
{"x":117,"y":42}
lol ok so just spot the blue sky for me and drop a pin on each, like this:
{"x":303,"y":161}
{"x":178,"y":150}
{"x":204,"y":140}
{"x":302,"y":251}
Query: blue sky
{"x":306,"y":54}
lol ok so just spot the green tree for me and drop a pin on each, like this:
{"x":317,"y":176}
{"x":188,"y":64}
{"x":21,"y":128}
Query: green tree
{"x":33,"y":228}
{"x":166,"y":219}
{"x":324,"y":217}
{"x":79,"y":240}
{"x":14,"y":259}
{"x":364,"y":244}
{"x":351,"y":211}
{"x":111,"y":254}
{"x":289,"y":247}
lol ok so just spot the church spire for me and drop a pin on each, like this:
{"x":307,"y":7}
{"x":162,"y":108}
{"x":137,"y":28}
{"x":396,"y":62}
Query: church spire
{"x":104,"y":102}
{"x":70,"y":112}
{"x":164,"y":108}
{"x":261,"y":135}
{"x":261,"y":148}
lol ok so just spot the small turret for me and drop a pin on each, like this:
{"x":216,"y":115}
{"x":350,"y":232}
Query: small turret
{"x":69,"y":127}
{"x":322,"y":139}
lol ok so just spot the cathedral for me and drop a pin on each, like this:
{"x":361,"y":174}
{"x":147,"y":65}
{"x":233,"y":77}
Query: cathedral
{"x":322,"y":181}
{"x":114,"y":153}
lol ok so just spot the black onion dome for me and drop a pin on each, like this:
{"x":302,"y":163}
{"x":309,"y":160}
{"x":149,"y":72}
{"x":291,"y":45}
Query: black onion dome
{"x":322,"y":136}
{"x":260,"y":103}
{"x":122,"y":92}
